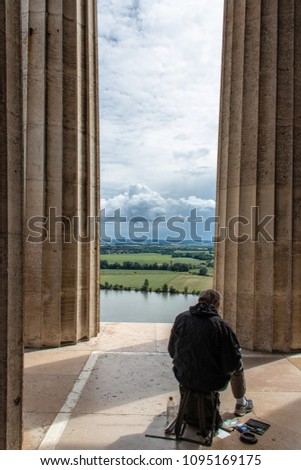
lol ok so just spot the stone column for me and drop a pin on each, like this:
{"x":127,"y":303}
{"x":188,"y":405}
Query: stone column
{"x":62,"y":174}
{"x":11,"y":225}
{"x":258,"y":265}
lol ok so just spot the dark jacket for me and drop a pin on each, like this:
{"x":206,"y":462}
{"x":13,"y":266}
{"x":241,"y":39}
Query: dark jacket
{"x":204,"y":349}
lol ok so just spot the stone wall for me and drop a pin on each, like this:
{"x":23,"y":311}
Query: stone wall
{"x":11,"y":225}
{"x":258,"y":265}
{"x":62,"y":174}
{"x":49,"y":187}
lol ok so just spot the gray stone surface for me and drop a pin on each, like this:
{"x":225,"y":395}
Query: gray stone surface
{"x":125,"y":394}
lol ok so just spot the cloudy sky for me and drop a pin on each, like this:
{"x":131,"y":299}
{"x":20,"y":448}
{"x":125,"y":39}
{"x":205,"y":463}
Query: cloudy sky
{"x":159,"y":65}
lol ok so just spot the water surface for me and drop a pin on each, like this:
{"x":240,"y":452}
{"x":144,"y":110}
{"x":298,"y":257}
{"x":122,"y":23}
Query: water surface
{"x":144,"y":307}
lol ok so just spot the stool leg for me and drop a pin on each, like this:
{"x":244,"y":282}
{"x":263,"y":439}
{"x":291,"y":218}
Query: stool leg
{"x":179,"y":429}
{"x":201,"y":415}
{"x":215,"y":401}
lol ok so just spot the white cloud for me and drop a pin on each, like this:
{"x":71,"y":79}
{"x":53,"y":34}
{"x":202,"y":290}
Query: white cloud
{"x":141,"y":201}
{"x":159,"y":88}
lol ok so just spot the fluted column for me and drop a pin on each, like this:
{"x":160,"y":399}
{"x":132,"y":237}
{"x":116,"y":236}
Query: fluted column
{"x":258,"y":255}
{"x":62,"y":174}
{"x":11,"y":225}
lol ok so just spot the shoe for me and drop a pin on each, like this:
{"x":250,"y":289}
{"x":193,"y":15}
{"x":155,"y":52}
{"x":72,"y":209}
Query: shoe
{"x":241,"y":410}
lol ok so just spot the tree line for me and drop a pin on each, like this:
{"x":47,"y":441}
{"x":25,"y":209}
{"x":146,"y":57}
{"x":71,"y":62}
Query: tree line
{"x":135,"y":266}
{"x":165,"y":289}
{"x":203,"y":256}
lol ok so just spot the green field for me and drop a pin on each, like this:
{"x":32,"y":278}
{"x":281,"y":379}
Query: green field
{"x":192,"y":282}
{"x":157,"y":279}
{"x":147,"y":258}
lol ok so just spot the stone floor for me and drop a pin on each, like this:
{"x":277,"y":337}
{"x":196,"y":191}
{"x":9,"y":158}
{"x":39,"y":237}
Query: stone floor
{"x":110,"y":392}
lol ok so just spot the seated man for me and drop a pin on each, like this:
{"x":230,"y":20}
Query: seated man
{"x":206,"y":353}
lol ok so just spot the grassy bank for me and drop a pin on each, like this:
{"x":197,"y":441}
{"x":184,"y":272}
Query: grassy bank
{"x":135,"y":279}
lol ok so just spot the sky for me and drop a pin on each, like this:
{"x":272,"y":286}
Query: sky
{"x":159,"y":75}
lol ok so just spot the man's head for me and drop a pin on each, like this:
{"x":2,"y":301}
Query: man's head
{"x":210,"y":296}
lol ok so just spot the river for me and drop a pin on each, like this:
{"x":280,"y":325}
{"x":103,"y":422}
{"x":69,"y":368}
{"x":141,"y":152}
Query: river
{"x":145,"y":307}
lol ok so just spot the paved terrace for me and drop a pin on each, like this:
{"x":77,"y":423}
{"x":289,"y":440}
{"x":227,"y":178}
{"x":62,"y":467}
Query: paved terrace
{"x":109,"y":392}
